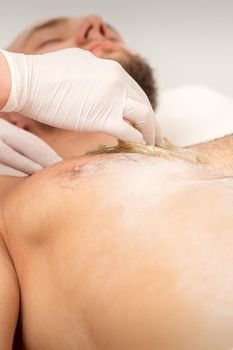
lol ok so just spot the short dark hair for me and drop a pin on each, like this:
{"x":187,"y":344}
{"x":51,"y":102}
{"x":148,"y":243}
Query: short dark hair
{"x":142,"y":73}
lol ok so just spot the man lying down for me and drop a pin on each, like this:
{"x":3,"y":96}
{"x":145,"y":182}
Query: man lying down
{"x":114,"y":251}
{"x":120,"y":251}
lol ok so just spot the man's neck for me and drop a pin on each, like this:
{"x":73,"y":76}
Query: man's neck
{"x":219,"y":153}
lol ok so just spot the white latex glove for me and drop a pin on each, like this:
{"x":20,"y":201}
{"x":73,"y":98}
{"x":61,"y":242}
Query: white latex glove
{"x":73,"y":89}
{"x":23,"y":151}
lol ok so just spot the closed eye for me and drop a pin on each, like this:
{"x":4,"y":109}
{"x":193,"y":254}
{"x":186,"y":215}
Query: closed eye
{"x":48,"y":42}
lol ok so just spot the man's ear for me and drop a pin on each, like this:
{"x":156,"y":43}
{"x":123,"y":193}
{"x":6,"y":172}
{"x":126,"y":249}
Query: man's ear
{"x":17,"y":119}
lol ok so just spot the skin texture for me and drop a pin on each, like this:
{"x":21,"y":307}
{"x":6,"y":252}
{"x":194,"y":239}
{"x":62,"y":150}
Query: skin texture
{"x":118,"y":251}
{"x":218,"y":153}
{"x":9,"y":293}
{"x":138,"y":251}
{"x":53,"y":249}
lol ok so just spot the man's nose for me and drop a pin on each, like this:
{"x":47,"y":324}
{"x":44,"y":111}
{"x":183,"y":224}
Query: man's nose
{"x":93,"y":27}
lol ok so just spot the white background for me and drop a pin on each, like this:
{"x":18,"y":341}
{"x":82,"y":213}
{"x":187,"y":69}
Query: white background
{"x":187,"y":42}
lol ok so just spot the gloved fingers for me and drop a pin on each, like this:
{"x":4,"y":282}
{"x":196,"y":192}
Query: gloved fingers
{"x":32,"y":147}
{"x":136,"y":92}
{"x":159,"y":140}
{"x":126,"y":132}
{"x":143,"y":119}
{"x":7,"y":171}
{"x":17,"y":161}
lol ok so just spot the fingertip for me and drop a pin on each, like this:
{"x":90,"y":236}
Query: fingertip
{"x":57,"y":159}
{"x":51,"y":159}
{"x":149,"y":140}
{"x":139,"y":141}
{"x":143,"y":142}
{"x":159,"y":140}
{"x":155,"y":138}
{"x":127,"y":133}
{"x":36,"y":168}
{"x":136,"y":137}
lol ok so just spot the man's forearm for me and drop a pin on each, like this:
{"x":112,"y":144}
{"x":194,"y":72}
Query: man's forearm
{"x":5,"y":81}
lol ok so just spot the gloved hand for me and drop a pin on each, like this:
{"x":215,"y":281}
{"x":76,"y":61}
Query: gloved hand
{"x":23,"y":151}
{"x":73,"y":89}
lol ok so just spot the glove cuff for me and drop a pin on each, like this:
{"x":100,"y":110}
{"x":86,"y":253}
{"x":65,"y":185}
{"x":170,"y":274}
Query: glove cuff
{"x":18,"y":70}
